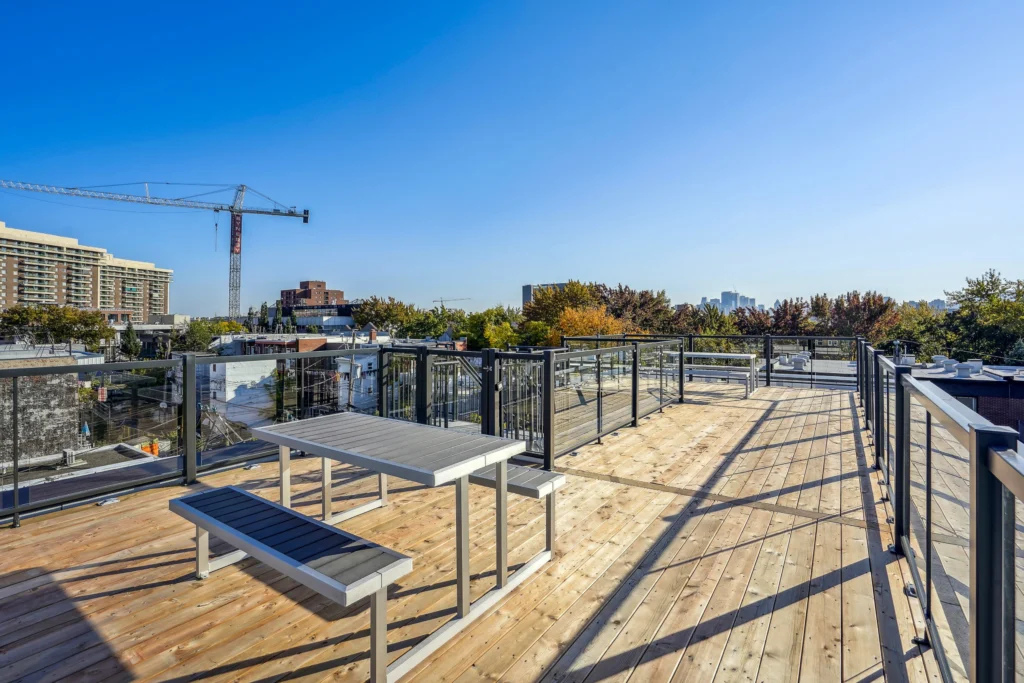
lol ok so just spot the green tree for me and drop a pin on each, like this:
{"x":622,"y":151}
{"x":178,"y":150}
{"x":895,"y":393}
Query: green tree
{"x":56,"y":324}
{"x":250,"y":320}
{"x":500,"y":335}
{"x":534,"y":333}
{"x":435,"y":322}
{"x":131,"y":345}
{"x":390,"y":314}
{"x":1016,"y":355}
{"x":196,"y":336}
{"x":278,"y":316}
{"x":264,"y":322}
{"x":478,"y":325}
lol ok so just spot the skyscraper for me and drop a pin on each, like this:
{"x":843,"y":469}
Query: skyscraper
{"x":730,"y":300}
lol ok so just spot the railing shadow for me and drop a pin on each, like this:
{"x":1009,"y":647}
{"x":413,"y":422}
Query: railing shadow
{"x":28,"y":649}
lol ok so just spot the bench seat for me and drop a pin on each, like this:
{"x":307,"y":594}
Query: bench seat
{"x":338,"y":565}
{"x":531,"y":483}
{"x":522,"y":481}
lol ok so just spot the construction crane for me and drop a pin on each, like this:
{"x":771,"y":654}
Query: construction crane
{"x":236,"y":209}
{"x":441,"y":300}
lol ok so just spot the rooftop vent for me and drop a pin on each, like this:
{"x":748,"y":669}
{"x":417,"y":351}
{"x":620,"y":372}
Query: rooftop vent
{"x":948,"y":364}
{"x":963,"y":369}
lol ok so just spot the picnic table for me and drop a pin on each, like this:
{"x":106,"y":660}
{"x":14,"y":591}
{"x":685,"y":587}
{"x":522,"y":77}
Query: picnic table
{"x":428,"y":455}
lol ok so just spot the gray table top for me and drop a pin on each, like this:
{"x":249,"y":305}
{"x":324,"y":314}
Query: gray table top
{"x":421,"y":453}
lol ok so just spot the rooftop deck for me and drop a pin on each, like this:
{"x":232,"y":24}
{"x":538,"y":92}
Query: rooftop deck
{"x":724,"y":539}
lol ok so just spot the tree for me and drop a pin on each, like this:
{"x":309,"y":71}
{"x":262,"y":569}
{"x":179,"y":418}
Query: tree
{"x":131,"y":345}
{"x":790,"y":318}
{"x":435,"y":322}
{"x":750,"y":320}
{"x":250,"y":320}
{"x":278,"y":316}
{"x":264,"y":324}
{"x":639,"y":310}
{"x":56,"y":324}
{"x":1016,"y":354}
{"x":584,"y":322}
{"x":196,"y":336}
{"x":684,"y":320}
{"x":293,"y":321}
{"x":389,"y":314}
{"x":988,"y":316}
{"x":534,"y":333}
{"x":549,"y":302}
{"x":478,"y":325}
{"x":500,"y":335}
{"x":226,"y":327}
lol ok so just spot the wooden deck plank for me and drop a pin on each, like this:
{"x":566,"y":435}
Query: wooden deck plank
{"x":781,"y":575}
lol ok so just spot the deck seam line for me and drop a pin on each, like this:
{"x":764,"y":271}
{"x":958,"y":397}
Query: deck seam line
{"x":718,"y":497}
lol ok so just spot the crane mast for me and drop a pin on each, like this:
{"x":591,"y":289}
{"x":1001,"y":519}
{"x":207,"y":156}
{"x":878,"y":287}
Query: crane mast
{"x":236,"y":209}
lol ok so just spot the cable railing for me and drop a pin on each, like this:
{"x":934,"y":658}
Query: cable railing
{"x":955,"y":483}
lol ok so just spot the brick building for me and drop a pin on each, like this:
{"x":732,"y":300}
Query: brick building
{"x":312,"y":293}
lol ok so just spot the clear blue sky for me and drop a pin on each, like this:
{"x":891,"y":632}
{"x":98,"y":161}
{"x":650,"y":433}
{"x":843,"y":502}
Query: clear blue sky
{"x":462,"y":150}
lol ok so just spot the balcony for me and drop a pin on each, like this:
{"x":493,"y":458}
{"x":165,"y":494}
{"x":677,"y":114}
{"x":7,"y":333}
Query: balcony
{"x":707,"y":531}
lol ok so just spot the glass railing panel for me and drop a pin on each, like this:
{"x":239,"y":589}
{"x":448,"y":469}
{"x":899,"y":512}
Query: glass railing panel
{"x":575,"y":402}
{"x":83,"y":433}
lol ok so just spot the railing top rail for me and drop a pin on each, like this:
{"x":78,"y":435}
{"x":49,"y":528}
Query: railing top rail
{"x":662,"y":343}
{"x":888,"y":363}
{"x":518,"y":355}
{"x":724,"y":356}
{"x":1008,"y":466}
{"x":252,"y":358}
{"x":433,"y":350}
{"x":95,"y":367}
{"x":624,"y":337}
{"x":583,"y":353}
{"x":951,"y":413}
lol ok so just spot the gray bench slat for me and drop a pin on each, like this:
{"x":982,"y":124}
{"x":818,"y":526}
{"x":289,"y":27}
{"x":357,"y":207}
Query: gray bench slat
{"x":313,"y":549}
{"x":218,"y":495}
{"x":365,"y":567}
{"x":226,"y":504}
{"x":242,"y":514}
{"x":523,"y":481}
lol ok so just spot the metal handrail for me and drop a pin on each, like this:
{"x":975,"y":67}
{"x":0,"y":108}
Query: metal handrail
{"x":951,"y":413}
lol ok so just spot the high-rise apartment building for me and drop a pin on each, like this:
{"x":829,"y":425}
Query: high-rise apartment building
{"x":730,"y":300}
{"x":39,"y":269}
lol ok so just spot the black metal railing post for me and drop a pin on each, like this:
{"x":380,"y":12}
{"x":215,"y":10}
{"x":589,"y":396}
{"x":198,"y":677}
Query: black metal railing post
{"x":548,"y":406}
{"x":15,"y":490}
{"x":190,"y":422}
{"x":490,"y":393}
{"x":901,"y":485}
{"x":689,"y":347}
{"x":636,"y":384}
{"x":600,"y":401}
{"x":382,"y":364}
{"x":992,"y":519}
{"x":424,"y":377}
{"x":682,"y":371}
{"x":661,"y":377}
{"x":877,"y":410}
{"x":767,"y":360}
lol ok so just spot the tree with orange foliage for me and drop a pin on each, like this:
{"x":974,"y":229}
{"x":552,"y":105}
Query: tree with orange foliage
{"x":584,"y":322}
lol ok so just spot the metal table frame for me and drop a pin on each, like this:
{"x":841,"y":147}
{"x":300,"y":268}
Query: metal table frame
{"x":466,"y":611}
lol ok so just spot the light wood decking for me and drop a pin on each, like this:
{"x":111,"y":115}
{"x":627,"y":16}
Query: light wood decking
{"x":724,"y":539}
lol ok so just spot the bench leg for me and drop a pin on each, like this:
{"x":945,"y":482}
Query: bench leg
{"x":501,"y":522}
{"x":326,"y":492}
{"x":379,"y":636}
{"x":462,"y":544}
{"x":285,"y":460}
{"x":202,"y":553}
{"x":549,"y":531}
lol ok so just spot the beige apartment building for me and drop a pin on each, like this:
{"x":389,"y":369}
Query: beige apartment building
{"x":36,"y":268}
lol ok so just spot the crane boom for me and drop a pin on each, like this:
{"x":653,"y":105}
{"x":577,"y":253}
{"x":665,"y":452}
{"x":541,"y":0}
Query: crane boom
{"x":235,"y":207}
